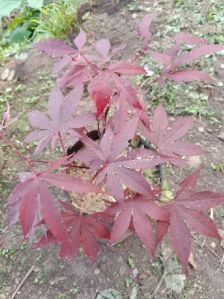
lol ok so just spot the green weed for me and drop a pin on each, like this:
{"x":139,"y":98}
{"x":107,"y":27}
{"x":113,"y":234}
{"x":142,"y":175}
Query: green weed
{"x":57,"y":19}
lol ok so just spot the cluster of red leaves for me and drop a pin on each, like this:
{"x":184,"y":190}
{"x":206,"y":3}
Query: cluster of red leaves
{"x":112,"y":162}
{"x":173,"y":61}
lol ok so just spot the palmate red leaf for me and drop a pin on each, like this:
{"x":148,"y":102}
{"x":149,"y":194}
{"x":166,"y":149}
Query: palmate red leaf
{"x":189,"y":39}
{"x":61,"y":64}
{"x":121,"y":223}
{"x":143,"y":28}
{"x":84,"y":231}
{"x":119,"y":119}
{"x":185,"y":214}
{"x":180,"y":237}
{"x":54,"y":47}
{"x":161,"y":231}
{"x":198,"y":52}
{"x":135,"y":212}
{"x":75,"y":76}
{"x":200,"y":223}
{"x":28,"y":210}
{"x":171,"y":61}
{"x":181,"y":220}
{"x":188,"y":75}
{"x":58,"y":120}
{"x":120,"y":139}
{"x":30,"y":201}
{"x":102,"y":79}
{"x":202,"y":201}
{"x":100,"y":89}
{"x":163,"y":58}
{"x":165,"y":138}
{"x":133,"y":180}
{"x":47,"y":239}
{"x":103,"y":48}
{"x":80,"y":40}
{"x":19,"y":190}
{"x":32,"y":206}
{"x":188,"y":184}
{"x":184,"y":38}
{"x":106,"y":159}
{"x":101,"y":86}
{"x":143,"y":229}
{"x":50,"y":212}
{"x":69,"y":183}
{"x":129,"y":69}
{"x":127,"y":91}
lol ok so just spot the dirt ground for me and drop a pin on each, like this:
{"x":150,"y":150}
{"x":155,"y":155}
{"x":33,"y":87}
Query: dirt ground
{"x":126,"y":268}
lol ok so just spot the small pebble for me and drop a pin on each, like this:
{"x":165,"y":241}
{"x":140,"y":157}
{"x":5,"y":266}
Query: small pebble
{"x":97,"y":271}
{"x":5,"y":74}
{"x":201,"y":129}
{"x":213,"y":245}
{"x":11,"y":75}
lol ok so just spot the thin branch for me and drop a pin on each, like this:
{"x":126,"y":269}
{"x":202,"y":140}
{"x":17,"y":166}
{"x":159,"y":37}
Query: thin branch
{"x":97,"y":173}
{"x":22,"y":282}
{"x":27,"y":160}
{"x":40,"y":161}
{"x":62,"y":144}
{"x":161,"y":175}
{"x":146,"y":144}
{"x":149,"y":146}
{"x":93,"y":67}
{"x":159,"y":284}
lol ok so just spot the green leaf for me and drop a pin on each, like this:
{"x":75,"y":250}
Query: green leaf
{"x":166,"y":195}
{"x":131,"y":262}
{"x":37,"y":4}
{"x":20,"y":34}
{"x":109,"y":294}
{"x":175,"y":282}
{"x":7,"y":6}
{"x":134,"y":293}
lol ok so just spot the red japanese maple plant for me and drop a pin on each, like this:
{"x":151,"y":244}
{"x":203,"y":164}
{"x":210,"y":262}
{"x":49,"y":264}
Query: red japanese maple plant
{"x":101,"y":141}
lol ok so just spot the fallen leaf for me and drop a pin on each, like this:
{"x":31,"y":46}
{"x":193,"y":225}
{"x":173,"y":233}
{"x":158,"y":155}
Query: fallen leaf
{"x":175,"y":282}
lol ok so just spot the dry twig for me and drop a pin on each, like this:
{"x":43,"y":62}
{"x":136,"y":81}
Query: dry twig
{"x":22,"y":282}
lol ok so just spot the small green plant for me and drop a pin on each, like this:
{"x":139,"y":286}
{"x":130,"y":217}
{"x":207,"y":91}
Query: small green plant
{"x":57,"y":19}
{"x":34,"y":20}
{"x":7,"y":6}
{"x":17,"y":24}
{"x":217,"y":167}
{"x":22,"y":27}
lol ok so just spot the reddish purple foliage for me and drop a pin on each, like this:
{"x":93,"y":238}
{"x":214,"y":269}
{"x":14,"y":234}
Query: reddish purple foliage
{"x":116,"y":168}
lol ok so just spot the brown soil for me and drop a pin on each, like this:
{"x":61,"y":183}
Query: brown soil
{"x":115,"y":268}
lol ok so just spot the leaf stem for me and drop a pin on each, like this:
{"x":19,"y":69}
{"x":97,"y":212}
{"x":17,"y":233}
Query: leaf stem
{"x":90,"y":64}
{"x":149,"y":146}
{"x":62,"y":144}
{"x":40,"y":161}
{"x":97,"y":173}
{"x":27,"y":160}
{"x":159,"y":284}
{"x":146,"y":144}
{"x":161,"y":175}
